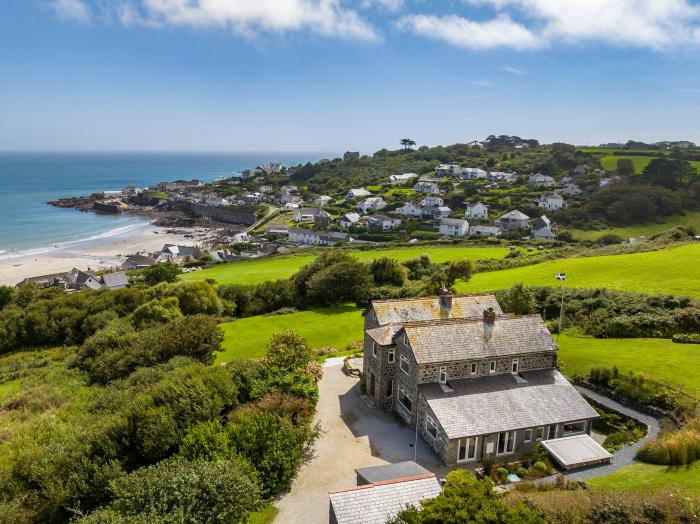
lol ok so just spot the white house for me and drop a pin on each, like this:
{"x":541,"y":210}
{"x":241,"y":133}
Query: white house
{"x":348,"y":219}
{"x":323,"y":200}
{"x":438,"y":213}
{"x":317,"y":238}
{"x":371,"y":204}
{"x":454,"y":227}
{"x":357,"y":193}
{"x":570,"y":190}
{"x":540,"y":180}
{"x":409,"y":209}
{"x":485,"y":231}
{"x":382,"y":222}
{"x":311,"y":214}
{"x":216,"y":201}
{"x":112,"y":194}
{"x":500,"y":176}
{"x":551,"y":201}
{"x":473,"y":173}
{"x":512,"y":220}
{"x":426,"y":187}
{"x":397,"y":180}
{"x":432,"y":201}
{"x":448,"y":170}
{"x":475,"y":143}
{"x":477,"y":210}
{"x":604,"y":182}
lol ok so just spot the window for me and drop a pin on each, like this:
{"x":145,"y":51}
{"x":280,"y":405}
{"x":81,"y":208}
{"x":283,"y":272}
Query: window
{"x":573,"y":428}
{"x":492,"y":366}
{"x":374,"y":349}
{"x":506,"y":443}
{"x":528,"y":435}
{"x":514,"y":366}
{"x":390,"y":388}
{"x":405,"y":366}
{"x":430,"y":426}
{"x":540,"y":433}
{"x":391,"y":355}
{"x":443,"y":375}
{"x":404,"y":399}
{"x":467,"y":449}
{"x":552,"y":433}
{"x":473,"y":368}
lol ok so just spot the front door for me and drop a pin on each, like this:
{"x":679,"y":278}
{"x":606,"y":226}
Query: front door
{"x":466,"y":449}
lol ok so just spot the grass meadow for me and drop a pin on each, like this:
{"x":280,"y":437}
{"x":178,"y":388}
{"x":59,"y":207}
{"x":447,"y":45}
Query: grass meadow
{"x":609,"y":162}
{"x":691,"y":218}
{"x":257,"y":271}
{"x":642,"y":477}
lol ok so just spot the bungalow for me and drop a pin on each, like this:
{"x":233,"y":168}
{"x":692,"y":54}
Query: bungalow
{"x":382,"y":222}
{"x":174,"y":254}
{"x":473,"y":173}
{"x":476,"y":210}
{"x":371,"y":204}
{"x":311,"y":214}
{"x":485,"y":231}
{"x":454,"y":227}
{"x":570,"y":190}
{"x":138,"y":262}
{"x":317,"y":238}
{"x":543,"y":233}
{"x":512,"y":220}
{"x":551,"y":201}
{"x":117,"y":280}
{"x":77,"y":280}
{"x":438,"y":213}
{"x":540,"y":180}
{"x":409,"y":209}
{"x":448,"y":170}
{"x":348,"y":219}
{"x":397,"y":180}
{"x":432,"y":201}
{"x":357,"y":193}
{"x":499,"y":176}
{"x":112,"y":194}
{"x":289,"y":206}
{"x":426,"y":187}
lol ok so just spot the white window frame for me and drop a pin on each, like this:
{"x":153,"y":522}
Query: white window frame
{"x":473,"y":368}
{"x":539,"y":434}
{"x":492,"y":366}
{"x":374,"y":349}
{"x":403,"y":392}
{"x":580,"y":432}
{"x":528,"y":435}
{"x":508,"y":435}
{"x":408,"y":364}
{"x":430,"y":423}
{"x":515,"y":366}
{"x":442,"y":375}
{"x":467,"y":441}
{"x":552,"y":428}
{"x":391,"y":356}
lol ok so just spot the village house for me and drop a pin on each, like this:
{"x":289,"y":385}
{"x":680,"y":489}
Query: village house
{"x":323,"y":200}
{"x":409,"y":209}
{"x":382,"y":222}
{"x":476,"y":210}
{"x":426,"y":187}
{"x":551,"y":201}
{"x":482,"y":230}
{"x":472,"y":173}
{"x":440,"y":212}
{"x":371,"y":204}
{"x":289,"y":206}
{"x":542,"y":229}
{"x":444,"y":170}
{"x":512,"y":220}
{"x":357,"y":193}
{"x":475,"y":383}
{"x":580,"y":169}
{"x":454,"y":227}
{"x":348,"y":219}
{"x":175,"y":254}
{"x":500,"y":176}
{"x":475,"y":143}
{"x":78,"y":280}
{"x":138,"y":262}
{"x":432,"y":201}
{"x":405,"y":178}
{"x":604,"y":182}
{"x":312,"y":214}
{"x":570,"y":190}
{"x":539,"y":180}
{"x":317,"y":238}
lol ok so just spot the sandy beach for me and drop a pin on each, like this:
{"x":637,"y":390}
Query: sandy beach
{"x":107,"y":251}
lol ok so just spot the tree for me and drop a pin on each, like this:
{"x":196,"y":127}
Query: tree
{"x":448,"y":274}
{"x":625,"y":167}
{"x":388,"y":271}
{"x":407,"y":143}
{"x":287,"y":351}
{"x":519,"y":300}
{"x":158,"y":273}
{"x":466,"y":500}
{"x":6,"y":295}
{"x":339,"y":283}
{"x":670,"y":173}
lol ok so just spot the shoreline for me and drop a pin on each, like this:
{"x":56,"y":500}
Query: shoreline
{"x":103,"y":251}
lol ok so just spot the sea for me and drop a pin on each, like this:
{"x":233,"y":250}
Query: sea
{"x":29,"y":180}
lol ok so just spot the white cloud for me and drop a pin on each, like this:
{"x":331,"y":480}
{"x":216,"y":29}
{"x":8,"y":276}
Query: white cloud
{"x":249,"y":17}
{"x":525,"y":24}
{"x":71,"y":10}
{"x":501,"y":31}
{"x":514,"y":70}
{"x":391,"y":5}
{"x":482,"y":83}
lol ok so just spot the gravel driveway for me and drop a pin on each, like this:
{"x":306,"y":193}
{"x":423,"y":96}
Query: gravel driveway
{"x":353,"y":435}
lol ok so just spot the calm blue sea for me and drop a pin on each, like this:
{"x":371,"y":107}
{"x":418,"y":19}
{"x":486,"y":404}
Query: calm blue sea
{"x":29,"y":180}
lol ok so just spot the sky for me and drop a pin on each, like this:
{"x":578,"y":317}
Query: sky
{"x":336,"y":75}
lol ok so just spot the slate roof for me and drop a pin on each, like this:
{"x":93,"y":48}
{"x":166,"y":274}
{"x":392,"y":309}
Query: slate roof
{"x":514,"y":215}
{"x":390,"y":472}
{"x":384,"y":334}
{"x":376,"y":503}
{"x":500,"y":403}
{"x":453,"y":222}
{"x":463,"y":339}
{"x":115,"y":280}
{"x":428,"y":308}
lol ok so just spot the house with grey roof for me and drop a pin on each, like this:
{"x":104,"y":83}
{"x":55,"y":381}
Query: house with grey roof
{"x":382,"y":222}
{"x":316,"y":237}
{"x":475,"y":383}
{"x":454,"y":227}
{"x":476,"y":210}
{"x":512,"y":220}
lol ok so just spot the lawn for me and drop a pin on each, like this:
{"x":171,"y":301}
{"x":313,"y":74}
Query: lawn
{"x":609,"y":162}
{"x":263,"y":516}
{"x":660,"y":358}
{"x":334,"y":326}
{"x":691,"y":218}
{"x":665,"y":271}
{"x":648,"y":476}
{"x":260,"y":270}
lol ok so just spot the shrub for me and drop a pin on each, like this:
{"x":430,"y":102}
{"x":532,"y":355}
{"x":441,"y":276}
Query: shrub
{"x":205,"y":441}
{"x":288,"y":350}
{"x":388,"y":271}
{"x":618,"y":440}
{"x":673,"y":449}
{"x":500,"y":475}
{"x":521,"y":472}
{"x":158,"y":273}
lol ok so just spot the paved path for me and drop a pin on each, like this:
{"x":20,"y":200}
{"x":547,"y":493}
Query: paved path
{"x":624,"y":456}
{"x":352,"y":436}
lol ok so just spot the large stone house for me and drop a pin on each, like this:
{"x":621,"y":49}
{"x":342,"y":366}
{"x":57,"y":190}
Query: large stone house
{"x":476,"y":383}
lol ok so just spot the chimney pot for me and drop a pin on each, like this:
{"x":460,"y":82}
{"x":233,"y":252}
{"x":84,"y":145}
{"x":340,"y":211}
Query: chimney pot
{"x":445,"y":296}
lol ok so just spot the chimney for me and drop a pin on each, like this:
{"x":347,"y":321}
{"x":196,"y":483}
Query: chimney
{"x":489,"y":323}
{"x":445,"y":297}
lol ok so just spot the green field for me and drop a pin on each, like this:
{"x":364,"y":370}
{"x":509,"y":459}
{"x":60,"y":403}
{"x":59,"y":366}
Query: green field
{"x":691,"y":218}
{"x":609,"y":162}
{"x":660,"y":358}
{"x":261,"y":270}
{"x":648,"y":476}
{"x":665,"y":271}
{"x":334,"y":326}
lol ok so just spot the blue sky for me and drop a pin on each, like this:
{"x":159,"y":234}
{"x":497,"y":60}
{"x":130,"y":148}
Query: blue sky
{"x":331,"y":75}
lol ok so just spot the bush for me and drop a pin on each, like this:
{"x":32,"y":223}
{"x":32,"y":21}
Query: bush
{"x":673,"y":449}
{"x":288,"y":351}
{"x":500,"y":475}
{"x":388,"y":271}
{"x":158,"y":273}
{"x":521,"y":472}
{"x":618,"y":440}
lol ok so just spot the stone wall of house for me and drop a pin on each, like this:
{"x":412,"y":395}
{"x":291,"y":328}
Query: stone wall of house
{"x":440,"y":444}
{"x":381,"y":370}
{"x":462,"y":369}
